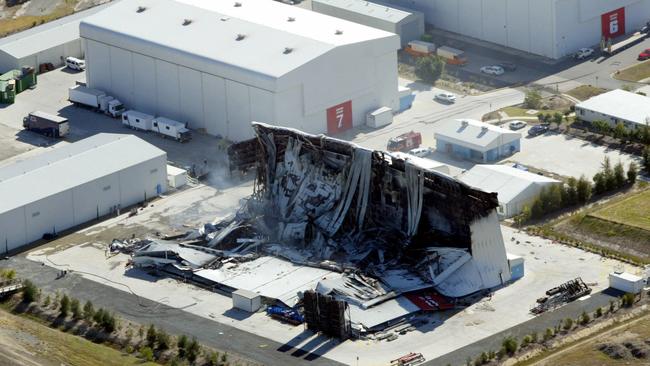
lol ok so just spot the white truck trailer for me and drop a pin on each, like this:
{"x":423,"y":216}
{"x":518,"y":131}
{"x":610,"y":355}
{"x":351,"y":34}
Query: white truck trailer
{"x":161,"y":125}
{"x":170,"y":128}
{"x":81,"y":95}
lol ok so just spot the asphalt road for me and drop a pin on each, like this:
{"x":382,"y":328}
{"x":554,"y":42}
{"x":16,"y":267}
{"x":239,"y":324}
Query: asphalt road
{"x":174,"y":321}
{"x":537,"y":324}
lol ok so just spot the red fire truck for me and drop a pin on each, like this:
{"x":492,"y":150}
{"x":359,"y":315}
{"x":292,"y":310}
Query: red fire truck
{"x":405,"y":142}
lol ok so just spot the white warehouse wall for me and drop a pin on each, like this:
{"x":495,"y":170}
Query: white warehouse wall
{"x":226,"y":107}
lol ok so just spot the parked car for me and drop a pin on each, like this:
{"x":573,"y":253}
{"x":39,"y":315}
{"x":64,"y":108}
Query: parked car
{"x":583,"y":53}
{"x":492,"y":70}
{"x":421,"y":152}
{"x":537,"y":130}
{"x":74,"y":63}
{"x":446,"y":97}
{"x":517,"y":125}
{"x":644,"y":55}
{"x":508,"y":66}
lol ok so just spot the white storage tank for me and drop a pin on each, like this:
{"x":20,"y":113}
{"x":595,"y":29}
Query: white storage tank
{"x":176,"y":177}
{"x":246,"y":300}
{"x":380,"y":117}
{"x":626,"y":282}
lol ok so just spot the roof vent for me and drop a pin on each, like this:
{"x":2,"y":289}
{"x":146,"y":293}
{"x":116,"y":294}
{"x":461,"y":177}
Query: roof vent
{"x":464,"y":123}
{"x":140,"y":9}
{"x":187,"y":21}
{"x":223,"y":19}
{"x":291,"y":19}
{"x":338,"y":32}
{"x":237,"y":4}
{"x":287,"y":50}
{"x":240,"y":37}
{"x":484,"y":128}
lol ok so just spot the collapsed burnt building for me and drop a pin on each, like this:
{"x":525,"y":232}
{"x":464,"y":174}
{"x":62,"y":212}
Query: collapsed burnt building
{"x":396,"y":226}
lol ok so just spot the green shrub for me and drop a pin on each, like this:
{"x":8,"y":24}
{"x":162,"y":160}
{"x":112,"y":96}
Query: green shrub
{"x":510,"y":345}
{"x":64,"y":306}
{"x":29,"y":291}
{"x":568,"y":324}
{"x":146,"y":353}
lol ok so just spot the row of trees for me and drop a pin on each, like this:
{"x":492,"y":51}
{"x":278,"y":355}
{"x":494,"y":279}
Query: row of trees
{"x":510,"y":345}
{"x":646,"y":159}
{"x":619,"y":131}
{"x":153,"y":345}
{"x":579,"y":191}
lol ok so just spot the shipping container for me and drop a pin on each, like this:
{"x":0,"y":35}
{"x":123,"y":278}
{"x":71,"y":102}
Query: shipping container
{"x":137,"y":120}
{"x":246,"y":300}
{"x":46,"y":124}
{"x":626,"y":282}
{"x":380,"y":117}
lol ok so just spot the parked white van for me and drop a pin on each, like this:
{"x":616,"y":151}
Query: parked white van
{"x":75,"y":63}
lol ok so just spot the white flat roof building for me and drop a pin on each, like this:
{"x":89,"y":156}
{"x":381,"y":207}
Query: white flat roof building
{"x":408,"y":24}
{"x":424,"y":163}
{"x":221,"y":64}
{"x":630,"y":109}
{"x":476,"y":140}
{"x":50,"y":42}
{"x":515,"y":187}
{"x":70,"y":185}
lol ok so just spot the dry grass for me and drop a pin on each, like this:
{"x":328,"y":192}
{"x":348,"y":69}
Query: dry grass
{"x":585,"y":92}
{"x":9,"y":26}
{"x":632,"y":211}
{"x":635,"y":73}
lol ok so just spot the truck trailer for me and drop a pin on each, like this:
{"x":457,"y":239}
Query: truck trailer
{"x":95,"y":99}
{"x":161,"y":125}
{"x":610,"y":49}
{"x":46,"y":124}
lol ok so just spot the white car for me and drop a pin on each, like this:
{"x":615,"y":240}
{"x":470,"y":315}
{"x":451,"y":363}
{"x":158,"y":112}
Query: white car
{"x":420,"y":152}
{"x":492,"y":70}
{"x":583,"y":53}
{"x":446,"y":97}
{"x":75,"y":63}
{"x":517,"y":125}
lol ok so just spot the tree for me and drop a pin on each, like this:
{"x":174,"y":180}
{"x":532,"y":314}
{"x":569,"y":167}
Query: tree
{"x":646,"y":159}
{"x":571,"y":192}
{"x":585,"y":318}
{"x":619,"y":175}
{"x":600,"y":184}
{"x":194,"y":349}
{"x":599,"y":312}
{"x":510,"y":345}
{"x":583,"y":190}
{"x":533,"y":99}
{"x":537,"y":208}
{"x":608,"y":174}
{"x":632,"y":173}
{"x":99,"y":316}
{"x":146,"y":353}
{"x":430,"y":68}
{"x":182,"y":345}
{"x":554,"y":197}
{"x":620,"y":132}
{"x":568,"y":324}
{"x":89,"y":311}
{"x":30,"y":292}
{"x":557,"y":118}
{"x":162,"y":338}
{"x":627,"y":300}
{"x":549,"y":334}
{"x":64,"y":306}
{"x":600,"y":126}
{"x":109,"y":322}
{"x":151,"y":335}
{"x":75,"y":309}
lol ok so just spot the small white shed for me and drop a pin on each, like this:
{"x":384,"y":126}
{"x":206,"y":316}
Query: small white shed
{"x":176,"y":177}
{"x":380,"y":117}
{"x":626,"y":282}
{"x":246,"y":300}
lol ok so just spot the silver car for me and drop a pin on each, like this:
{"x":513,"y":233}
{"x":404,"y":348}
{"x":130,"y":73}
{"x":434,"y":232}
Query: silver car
{"x":446,"y":97}
{"x":492,"y":70}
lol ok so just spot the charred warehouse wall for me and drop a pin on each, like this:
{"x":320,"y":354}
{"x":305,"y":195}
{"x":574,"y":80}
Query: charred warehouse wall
{"x":448,"y":206}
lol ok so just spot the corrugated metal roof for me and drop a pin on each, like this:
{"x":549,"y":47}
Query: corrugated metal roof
{"x":264,"y":37}
{"x":371,"y":9}
{"x":507,"y":181}
{"x":63,"y":168}
{"x":48,"y":35}
{"x":475,"y":134}
{"x":620,"y":104}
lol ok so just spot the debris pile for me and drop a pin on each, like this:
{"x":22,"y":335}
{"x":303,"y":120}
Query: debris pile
{"x":560,"y":295}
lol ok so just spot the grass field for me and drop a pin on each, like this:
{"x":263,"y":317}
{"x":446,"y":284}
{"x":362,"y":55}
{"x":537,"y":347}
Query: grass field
{"x":9,"y":26}
{"x":587,"y":353}
{"x":584,"y":92}
{"x":521,"y":112}
{"x":635,"y":73}
{"x":27,"y":342}
{"x":633,"y":211}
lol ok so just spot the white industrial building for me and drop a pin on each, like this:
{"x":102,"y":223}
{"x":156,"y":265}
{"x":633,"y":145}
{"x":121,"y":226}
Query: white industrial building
{"x":219,"y":65}
{"x":551,"y":28}
{"x":475,"y":140}
{"x":616,"y":106}
{"x":407,"y":24}
{"x":515,"y":188}
{"x":51,"y":42}
{"x":70,"y":185}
